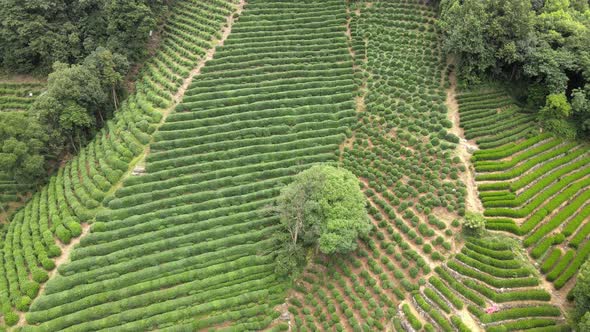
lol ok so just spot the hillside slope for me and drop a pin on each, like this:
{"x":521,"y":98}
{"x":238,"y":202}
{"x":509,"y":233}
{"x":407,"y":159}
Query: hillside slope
{"x":186,"y":245}
{"x":37,"y":237}
{"x":162,"y":222}
{"x":16,"y":96}
{"x":533,"y":185}
{"x":414,"y":272}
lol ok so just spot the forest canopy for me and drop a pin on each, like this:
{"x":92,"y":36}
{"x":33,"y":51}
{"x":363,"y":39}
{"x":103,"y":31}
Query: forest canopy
{"x":323,"y":209}
{"x":36,"y":34}
{"x":86,"y":48}
{"x":541,"y":43}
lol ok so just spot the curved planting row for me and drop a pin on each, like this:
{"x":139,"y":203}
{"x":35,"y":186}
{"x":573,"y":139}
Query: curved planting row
{"x":187,"y":245}
{"x":11,"y":192}
{"x":193,"y":28}
{"x":492,"y":119}
{"x":496,"y":287}
{"x":401,"y":150}
{"x":59,"y":211}
{"x":17,"y":96}
{"x":535,"y":186}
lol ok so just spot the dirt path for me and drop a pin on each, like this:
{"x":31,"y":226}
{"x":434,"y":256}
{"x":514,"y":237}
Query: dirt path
{"x":468,"y":320}
{"x":557,"y":298}
{"x":66,"y":249}
{"x":359,"y":100}
{"x":208,"y":56}
{"x":465,"y":148}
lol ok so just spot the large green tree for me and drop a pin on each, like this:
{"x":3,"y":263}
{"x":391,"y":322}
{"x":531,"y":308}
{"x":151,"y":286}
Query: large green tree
{"x":487,"y":36}
{"x":79,"y":97}
{"x":322,"y":209}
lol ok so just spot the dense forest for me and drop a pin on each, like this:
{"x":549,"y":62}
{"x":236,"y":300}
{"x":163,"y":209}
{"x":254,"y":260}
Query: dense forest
{"x":541,"y":45}
{"x":86,"y":48}
{"x":36,"y":34}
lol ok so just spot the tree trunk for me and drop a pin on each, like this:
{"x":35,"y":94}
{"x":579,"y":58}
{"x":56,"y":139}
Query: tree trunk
{"x":100,"y":116}
{"x":73,"y":143}
{"x":115,"y":99}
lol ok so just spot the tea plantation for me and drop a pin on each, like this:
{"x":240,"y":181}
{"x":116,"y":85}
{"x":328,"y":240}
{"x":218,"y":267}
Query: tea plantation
{"x":162,"y":222}
{"x":533,"y":185}
{"x":18,"y":96}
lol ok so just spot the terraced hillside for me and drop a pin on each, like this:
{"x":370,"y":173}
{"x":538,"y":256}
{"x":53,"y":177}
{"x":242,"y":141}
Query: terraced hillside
{"x":488,"y":281}
{"x":10,"y":194}
{"x":15,"y":97}
{"x":41,"y":234}
{"x":186,"y":246}
{"x":403,"y":153}
{"x":162,"y":222}
{"x":18,"y":96}
{"x":532,"y":185}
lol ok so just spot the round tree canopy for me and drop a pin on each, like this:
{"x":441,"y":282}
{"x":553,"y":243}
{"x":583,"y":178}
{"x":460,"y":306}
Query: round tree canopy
{"x":325,"y":207}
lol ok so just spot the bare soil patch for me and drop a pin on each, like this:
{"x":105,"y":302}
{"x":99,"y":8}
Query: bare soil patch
{"x":465,"y":148}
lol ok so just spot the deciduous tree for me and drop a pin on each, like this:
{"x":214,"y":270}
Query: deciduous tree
{"x":322,"y":209}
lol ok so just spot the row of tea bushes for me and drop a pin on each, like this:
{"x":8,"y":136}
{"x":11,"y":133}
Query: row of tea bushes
{"x":18,"y":96}
{"x":534,"y":187}
{"x":487,"y":272}
{"x":80,"y":189}
{"x":187,"y":244}
{"x":401,"y":150}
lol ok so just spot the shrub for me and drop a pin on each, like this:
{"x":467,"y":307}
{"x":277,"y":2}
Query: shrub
{"x":24,"y":303}
{"x":561,"y":265}
{"x":576,"y":263}
{"x":434,"y":297}
{"x":473,"y":222}
{"x":458,"y":323}
{"x":10,"y":318}
{"x":514,"y":313}
{"x":443,"y":289}
{"x":413,"y":320}
{"x":63,"y":234}
{"x":550,"y":261}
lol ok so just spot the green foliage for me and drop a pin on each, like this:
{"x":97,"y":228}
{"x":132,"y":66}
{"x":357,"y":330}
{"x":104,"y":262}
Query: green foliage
{"x":414,"y":321}
{"x":490,"y":36}
{"x":78,"y":97}
{"x":584,"y":322}
{"x":555,"y":113}
{"x":11,"y":318}
{"x":513,"y":313}
{"x":22,"y":147}
{"x":473,"y":222}
{"x":556,"y":107}
{"x":35,"y":35}
{"x":543,"y":44}
{"x":63,"y":234}
{"x":581,"y":293}
{"x":73,"y":195}
{"x":323,"y":208}
{"x":561,"y":127}
{"x":24,"y":303}
{"x":580,"y":102}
